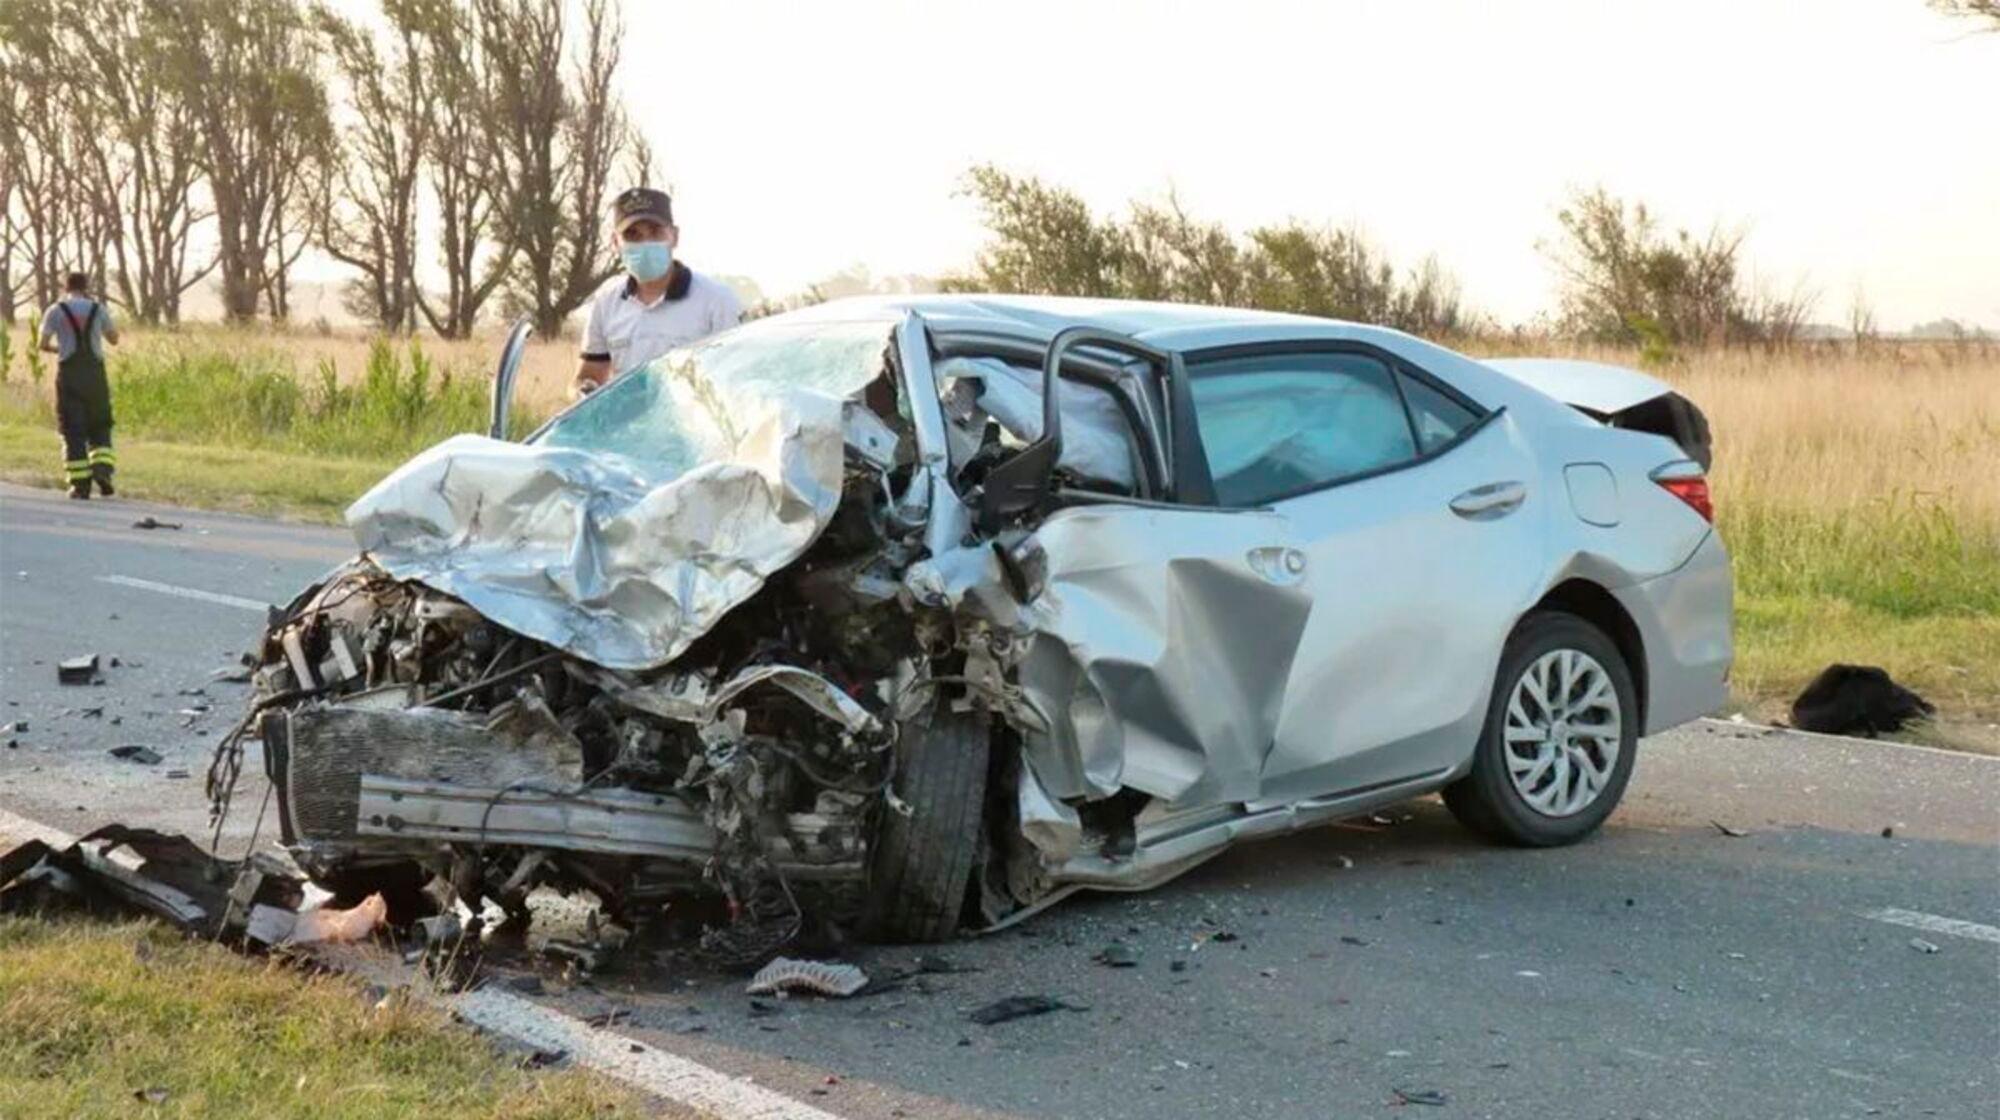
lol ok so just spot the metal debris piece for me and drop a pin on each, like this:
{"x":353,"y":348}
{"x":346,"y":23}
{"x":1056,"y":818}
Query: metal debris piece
{"x":1922,"y":946}
{"x":231,"y":675}
{"x":77,"y":670}
{"x":585,"y":958}
{"x":1117,"y":955}
{"x":1728,"y":831}
{"x":1018,"y":1007}
{"x":116,"y":870}
{"x":1433,"y":1097}
{"x":827,"y":978}
{"x":151,"y":522}
{"x":937,"y":965}
{"x":152,"y":1094}
{"x":133,"y":752}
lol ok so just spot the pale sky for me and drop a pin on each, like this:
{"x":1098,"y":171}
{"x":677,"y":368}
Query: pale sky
{"x":1858,"y":141}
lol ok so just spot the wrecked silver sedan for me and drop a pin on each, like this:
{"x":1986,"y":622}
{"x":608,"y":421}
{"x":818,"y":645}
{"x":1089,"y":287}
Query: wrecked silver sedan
{"x":919,"y":614}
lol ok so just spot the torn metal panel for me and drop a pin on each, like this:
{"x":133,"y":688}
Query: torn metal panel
{"x":687,"y":698}
{"x":119,"y":869}
{"x":610,"y":821}
{"x":640,"y":517}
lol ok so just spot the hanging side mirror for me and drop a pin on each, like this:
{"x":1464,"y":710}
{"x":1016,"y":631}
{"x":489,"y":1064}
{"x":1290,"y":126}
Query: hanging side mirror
{"x":511,"y":354}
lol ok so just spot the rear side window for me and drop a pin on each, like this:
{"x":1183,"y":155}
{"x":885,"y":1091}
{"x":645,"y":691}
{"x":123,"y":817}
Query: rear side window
{"x":1437,"y":418}
{"x":1273,"y":425}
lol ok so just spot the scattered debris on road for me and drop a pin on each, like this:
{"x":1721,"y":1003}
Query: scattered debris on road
{"x":827,"y":978}
{"x":1117,"y":955}
{"x":1850,"y":699}
{"x":1432,"y":1097}
{"x":1728,"y":831}
{"x":1018,"y":1007}
{"x":151,"y":522}
{"x":1922,"y":946}
{"x":133,"y":752}
{"x":77,"y":670}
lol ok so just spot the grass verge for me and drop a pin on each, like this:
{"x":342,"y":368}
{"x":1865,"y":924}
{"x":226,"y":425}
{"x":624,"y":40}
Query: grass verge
{"x":97,"y":1013}
{"x":302,"y":487}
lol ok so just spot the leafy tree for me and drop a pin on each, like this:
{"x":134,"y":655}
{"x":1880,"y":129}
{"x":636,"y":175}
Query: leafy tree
{"x":1623,"y":280}
{"x":1045,"y":240}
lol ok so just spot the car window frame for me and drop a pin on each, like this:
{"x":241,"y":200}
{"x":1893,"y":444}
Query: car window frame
{"x":1398,"y":367}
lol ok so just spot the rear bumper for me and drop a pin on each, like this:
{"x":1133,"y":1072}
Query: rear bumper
{"x":1686,"y":619}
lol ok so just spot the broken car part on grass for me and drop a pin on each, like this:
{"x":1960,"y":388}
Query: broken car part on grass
{"x":905,"y":616}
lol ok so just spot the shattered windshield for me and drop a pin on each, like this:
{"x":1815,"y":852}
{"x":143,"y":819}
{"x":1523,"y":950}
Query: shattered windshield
{"x":690,"y":405}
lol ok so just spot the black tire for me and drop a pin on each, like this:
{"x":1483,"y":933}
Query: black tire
{"x":920,"y":864}
{"x":1485,"y":800}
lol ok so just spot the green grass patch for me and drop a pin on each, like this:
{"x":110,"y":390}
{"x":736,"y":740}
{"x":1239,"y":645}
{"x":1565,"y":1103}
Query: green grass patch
{"x":301,"y":487}
{"x":95,"y":1013}
{"x":1903,"y":556}
{"x":1951,"y":660}
{"x":252,"y":397}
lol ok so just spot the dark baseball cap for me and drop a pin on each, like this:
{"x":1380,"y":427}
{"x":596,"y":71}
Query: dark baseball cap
{"x":641,"y":202}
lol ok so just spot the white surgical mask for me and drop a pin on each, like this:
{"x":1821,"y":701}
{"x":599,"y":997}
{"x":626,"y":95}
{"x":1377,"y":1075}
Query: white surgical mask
{"x":647,"y":260}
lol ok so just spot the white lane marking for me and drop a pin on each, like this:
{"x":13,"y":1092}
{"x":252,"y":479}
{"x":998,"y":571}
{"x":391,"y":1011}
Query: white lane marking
{"x":194,"y":593}
{"x":17,"y":830}
{"x":656,"y":1071}
{"x":682,"y":1081}
{"x":1931,"y":923}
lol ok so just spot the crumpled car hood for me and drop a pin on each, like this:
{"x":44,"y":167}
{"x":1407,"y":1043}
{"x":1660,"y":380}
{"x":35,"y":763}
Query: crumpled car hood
{"x":602,"y":556}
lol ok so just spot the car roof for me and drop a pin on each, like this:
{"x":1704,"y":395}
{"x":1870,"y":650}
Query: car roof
{"x":1184,"y":327}
{"x":1169,"y":326}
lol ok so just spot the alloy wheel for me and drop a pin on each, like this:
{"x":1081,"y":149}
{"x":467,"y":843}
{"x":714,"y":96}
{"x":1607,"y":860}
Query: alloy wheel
{"x":1562,"y":734}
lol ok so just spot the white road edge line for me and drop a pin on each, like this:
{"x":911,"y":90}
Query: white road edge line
{"x":682,"y":1081}
{"x":1901,"y":746}
{"x":194,"y":593}
{"x":1931,"y":923}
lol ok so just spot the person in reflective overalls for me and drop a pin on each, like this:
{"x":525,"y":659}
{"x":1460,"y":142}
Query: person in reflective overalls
{"x":75,"y":329}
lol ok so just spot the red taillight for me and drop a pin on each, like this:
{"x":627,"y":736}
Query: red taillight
{"x":1693,"y":491}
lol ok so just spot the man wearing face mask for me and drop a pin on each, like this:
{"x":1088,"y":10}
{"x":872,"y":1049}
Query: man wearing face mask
{"x":657,"y":303}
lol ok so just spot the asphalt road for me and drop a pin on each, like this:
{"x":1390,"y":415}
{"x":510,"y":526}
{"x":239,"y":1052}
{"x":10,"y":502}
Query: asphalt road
{"x":1662,"y":969}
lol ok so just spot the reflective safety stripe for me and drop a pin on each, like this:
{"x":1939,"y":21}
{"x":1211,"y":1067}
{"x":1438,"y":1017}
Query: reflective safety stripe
{"x":103,"y":455}
{"x":78,"y":470}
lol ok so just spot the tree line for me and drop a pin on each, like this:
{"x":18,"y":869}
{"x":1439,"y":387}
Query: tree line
{"x":1621,"y":277}
{"x":153,"y":144}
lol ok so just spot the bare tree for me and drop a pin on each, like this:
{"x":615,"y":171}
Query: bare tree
{"x":558,"y":134}
{"x":40,"y":149}
{"x":142,"y":160}
{"x":367,"y":214}
{"x":10,"y":281}
{"x":458,"y":164}
{"x":250,"y":69}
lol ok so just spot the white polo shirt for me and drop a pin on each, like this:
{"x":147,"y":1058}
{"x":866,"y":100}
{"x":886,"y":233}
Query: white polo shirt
{"x":627,"y":332}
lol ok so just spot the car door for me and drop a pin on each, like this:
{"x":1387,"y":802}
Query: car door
{"x":1162,"y":633}
{"x":1420,"y":525}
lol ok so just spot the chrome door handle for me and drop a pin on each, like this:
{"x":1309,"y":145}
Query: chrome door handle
{"x":1277,"y":564}
{"x":1495,"y":499}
